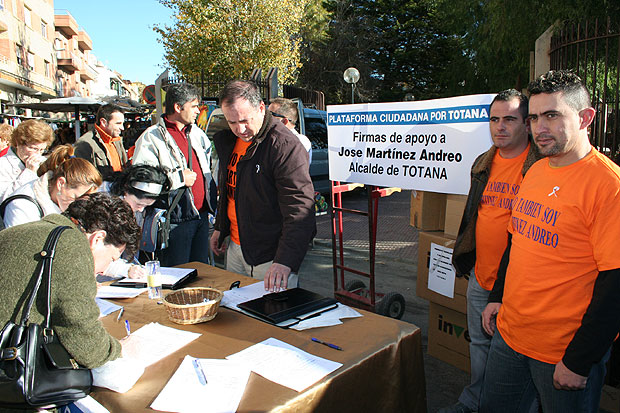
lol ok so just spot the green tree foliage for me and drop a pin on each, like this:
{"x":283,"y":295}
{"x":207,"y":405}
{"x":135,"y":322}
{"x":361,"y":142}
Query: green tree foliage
{"x":497,"y":36}
{"x":229,"y":38}
{"x":399,"y":47}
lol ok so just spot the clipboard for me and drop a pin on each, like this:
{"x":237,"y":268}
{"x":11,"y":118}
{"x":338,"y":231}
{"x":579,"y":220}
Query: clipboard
{"x":179,"y":283}
{"x":276,"y":308}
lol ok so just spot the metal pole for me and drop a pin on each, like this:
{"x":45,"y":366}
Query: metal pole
{"x":76,"y":125}
{"x":352,"y":93}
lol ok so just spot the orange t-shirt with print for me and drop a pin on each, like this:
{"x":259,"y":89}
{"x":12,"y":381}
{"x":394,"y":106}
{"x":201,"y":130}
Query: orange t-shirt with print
{"x":231,"y":184}
{"x":565,"y":231}
{"x":494,"y":214}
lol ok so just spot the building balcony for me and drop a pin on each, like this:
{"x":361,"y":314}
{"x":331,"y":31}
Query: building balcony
{"x":4,"y":26}
{"x":14,"y":75}
{"x":66,"y":24}
{"x":67,"y":61}
{"x":86,"y":74}
{"x":84,"y":41}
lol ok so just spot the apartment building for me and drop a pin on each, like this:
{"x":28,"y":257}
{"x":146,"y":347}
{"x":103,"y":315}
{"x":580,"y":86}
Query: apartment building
{"x":75,"y":74}
{"x":27,"y":61}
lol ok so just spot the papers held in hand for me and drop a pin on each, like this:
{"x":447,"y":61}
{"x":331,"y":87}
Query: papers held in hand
{"x":285,"y":305}
{"x":171,"y":279}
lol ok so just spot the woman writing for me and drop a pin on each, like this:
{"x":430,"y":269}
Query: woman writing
{"x":140,"y":186}
{"x":62,"y":179}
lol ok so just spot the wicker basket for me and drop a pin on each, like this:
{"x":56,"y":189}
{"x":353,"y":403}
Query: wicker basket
{"x":188,"y":306}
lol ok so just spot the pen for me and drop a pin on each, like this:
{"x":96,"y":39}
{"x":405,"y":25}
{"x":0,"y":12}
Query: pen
{"x":127,"y":328}
{"x":330,"y":345}
{"x":120,"y":314}
{"x":199,"y":372}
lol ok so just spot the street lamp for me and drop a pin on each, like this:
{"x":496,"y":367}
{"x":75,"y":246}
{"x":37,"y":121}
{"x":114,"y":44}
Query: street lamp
{"x":352,"y":75}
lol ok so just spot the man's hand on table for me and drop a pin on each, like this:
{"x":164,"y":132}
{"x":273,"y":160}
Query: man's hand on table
{"x":276,"y":277}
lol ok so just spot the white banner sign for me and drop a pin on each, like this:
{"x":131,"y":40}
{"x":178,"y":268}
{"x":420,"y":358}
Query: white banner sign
{"x":428,"y":145}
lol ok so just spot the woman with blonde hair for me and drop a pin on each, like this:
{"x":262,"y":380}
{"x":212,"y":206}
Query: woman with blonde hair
{"x":62,"y":179}
{"x":19,"y":166}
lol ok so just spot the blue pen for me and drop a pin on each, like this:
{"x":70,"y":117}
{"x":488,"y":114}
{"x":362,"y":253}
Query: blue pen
{"x":127,"y":328}
{"x":199,"y":372}
{"x":330,"y":345}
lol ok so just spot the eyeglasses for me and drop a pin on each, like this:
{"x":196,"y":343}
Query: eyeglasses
{"x":277,"y":115}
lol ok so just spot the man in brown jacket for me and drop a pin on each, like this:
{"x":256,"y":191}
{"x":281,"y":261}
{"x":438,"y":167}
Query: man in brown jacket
{"x":265,"y":215}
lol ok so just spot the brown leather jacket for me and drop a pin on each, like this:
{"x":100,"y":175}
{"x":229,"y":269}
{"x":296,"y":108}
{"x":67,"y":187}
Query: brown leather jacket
{"x":274,"y":196}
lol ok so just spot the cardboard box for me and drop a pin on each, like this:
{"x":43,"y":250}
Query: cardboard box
{"x":448,"y":337}
{"x":428,"y":211}
{"x":455,"y":205}
{"x":425,"y":240}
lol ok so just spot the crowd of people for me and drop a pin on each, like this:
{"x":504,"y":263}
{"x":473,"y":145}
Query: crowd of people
{"x":543,"y":274}
{"x":104,"y":193}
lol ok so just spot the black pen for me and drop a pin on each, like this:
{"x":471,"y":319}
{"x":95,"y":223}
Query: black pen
{"x":330,"y":345}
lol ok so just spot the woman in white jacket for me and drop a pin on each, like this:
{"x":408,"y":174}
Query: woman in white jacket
{"x":19,"y":166}
{"x":62,"y":179}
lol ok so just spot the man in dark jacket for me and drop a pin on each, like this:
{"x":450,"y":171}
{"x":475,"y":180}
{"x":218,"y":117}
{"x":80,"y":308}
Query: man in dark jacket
{"x":103,"y":147}
{"x":266,"y":194}
{"x":495,"y":179}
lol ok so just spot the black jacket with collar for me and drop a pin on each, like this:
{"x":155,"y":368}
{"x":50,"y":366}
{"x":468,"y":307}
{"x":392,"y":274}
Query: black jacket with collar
{"x":464,"y":255}
{"x":274,"y":196}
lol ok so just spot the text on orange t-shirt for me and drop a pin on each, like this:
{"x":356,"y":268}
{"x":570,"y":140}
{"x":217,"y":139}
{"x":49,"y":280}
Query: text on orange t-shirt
{"x":494,"y":214}
{"x":564,"y":232}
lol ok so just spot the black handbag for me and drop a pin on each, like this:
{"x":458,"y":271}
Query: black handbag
{"x":36,"y":371}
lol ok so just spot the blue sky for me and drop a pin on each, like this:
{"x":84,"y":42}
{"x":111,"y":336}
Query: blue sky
{"x":122,"y":34}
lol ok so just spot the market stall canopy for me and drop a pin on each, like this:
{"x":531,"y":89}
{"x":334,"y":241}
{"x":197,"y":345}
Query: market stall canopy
{"x":70,"y":104}
{"x":79,"y":104}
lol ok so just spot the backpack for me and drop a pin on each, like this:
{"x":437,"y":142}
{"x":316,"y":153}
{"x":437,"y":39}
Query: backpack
{"x":10,"y":199}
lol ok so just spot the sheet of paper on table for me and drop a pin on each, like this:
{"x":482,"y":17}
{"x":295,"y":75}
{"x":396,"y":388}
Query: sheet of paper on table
{"x":232,"y":298}
{"x":106,"y":307}
{"x":108,"y":291}
{"x":169,"y":275}
{"x":284,"y":364}
{"x":326,"y":319}
{"x":152,"y":342}
{"x":226,"y":381}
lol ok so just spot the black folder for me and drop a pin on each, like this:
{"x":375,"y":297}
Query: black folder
{"x":288,"y":304}
{"x":180,"y":283}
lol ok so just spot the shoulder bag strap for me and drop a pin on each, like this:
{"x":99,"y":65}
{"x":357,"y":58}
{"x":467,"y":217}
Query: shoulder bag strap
{"x":188,"y":129}
{"x":10,"y":199}
{"x":44,"y":268}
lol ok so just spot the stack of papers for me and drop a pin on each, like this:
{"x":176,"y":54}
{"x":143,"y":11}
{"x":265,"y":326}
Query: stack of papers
{"x":106,"y":307}
{"x":284,"y":364}
{"x":218,"y":385}
{"x":225,"y":384}
{"x":108,"y":291}
{"x":169,"y":276}
{"x":152,"y":342}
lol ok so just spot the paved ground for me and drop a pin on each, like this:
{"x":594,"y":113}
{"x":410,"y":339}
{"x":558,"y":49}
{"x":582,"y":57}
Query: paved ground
{"x":396,"y":270}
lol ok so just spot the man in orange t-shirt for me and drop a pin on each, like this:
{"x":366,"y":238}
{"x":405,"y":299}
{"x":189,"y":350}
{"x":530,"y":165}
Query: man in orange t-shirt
{"x":557,"y":294}
{"x":103,"y":147}
{"x":495,"y":179}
